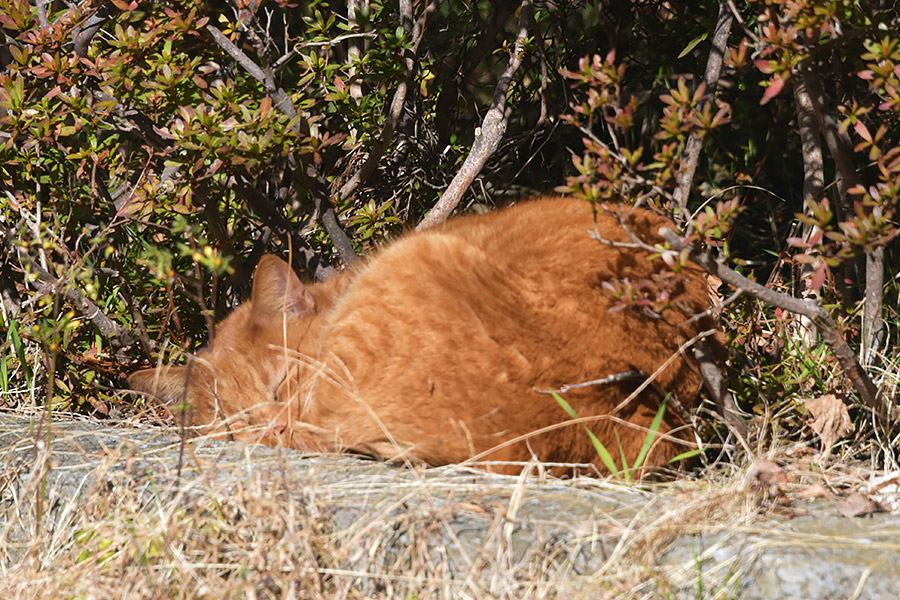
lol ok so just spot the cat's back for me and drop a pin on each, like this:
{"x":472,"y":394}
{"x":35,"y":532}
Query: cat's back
{"x":537,"y":246}
{"x":472,"y":256}
{"x":446,"y":333}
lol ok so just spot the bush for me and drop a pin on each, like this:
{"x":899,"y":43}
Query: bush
{"x":152,"y":152}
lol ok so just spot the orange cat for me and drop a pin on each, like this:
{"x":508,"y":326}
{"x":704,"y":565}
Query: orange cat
{"x":433,"y":350}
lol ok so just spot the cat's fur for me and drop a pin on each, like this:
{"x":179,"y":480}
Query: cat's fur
{"x":433,"y":349}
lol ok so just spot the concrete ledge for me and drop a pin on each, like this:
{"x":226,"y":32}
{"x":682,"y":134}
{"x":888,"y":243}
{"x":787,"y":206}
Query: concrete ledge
{"x":452,"y":532}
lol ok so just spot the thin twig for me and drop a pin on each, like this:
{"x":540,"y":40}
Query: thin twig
{"x":396,"y":110}
{"x":819,"y":316}
{"x":604,"y":381}
{"x":48,"y":284}
{"x":492,"y":129}
{"x":332,"y":42}
{"x":711,"y":78}
{"x":717,"y":307}
{"x":661,"y":368}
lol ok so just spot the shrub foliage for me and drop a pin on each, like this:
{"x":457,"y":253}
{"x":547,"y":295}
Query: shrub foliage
{"x":151,"y":152}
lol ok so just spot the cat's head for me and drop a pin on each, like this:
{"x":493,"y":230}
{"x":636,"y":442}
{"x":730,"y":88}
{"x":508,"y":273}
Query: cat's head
{"x":239,"y":387}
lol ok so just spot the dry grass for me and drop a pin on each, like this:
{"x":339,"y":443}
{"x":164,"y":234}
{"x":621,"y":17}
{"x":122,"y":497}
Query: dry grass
{"x":117,"y":520}
{"x":258,"y":523}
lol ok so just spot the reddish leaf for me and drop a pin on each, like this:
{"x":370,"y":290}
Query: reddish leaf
{"x":99,"y":406}
{"x":773,"y":90}
{"x":766,"y":66}
{"x":818,"y":278}
{"x":122,"y":5}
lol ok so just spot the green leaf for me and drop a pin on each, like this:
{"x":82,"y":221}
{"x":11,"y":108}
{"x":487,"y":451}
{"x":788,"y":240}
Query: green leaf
{"x":651,"y":435}
{"x":693,"y":44}
{"x":601,"y":450}
{"x":626,"y":470}
{"x":686,"y":455}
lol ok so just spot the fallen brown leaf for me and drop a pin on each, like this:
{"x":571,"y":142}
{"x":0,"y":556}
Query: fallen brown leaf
{"x":713,"y":284}
{"x":857,"y":505}
{"x":765,"y":474}
{"x":830,"y":419}
{"x":816,"y":490}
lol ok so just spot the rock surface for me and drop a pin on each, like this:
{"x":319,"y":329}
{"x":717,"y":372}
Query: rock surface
{"x":471,"y":532}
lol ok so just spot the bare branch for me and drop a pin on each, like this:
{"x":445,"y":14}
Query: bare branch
{"x":82,"y":35}
{"x":488,"y":138}
{"x":718,"y":389}
{"x":873,"y":325}
{"x":283,"y":103}
{"x":711,"y":77}
{"x":118,"y":336}
{"x":840,"y":149}
{"x":41,"y":6}
{"x":819,"y":316}
{"x":353,"y":51}
{"x":813,"y":165}
{"x":396,"y":111}
{"x":330,"y":222}
{"x":838,"y":144}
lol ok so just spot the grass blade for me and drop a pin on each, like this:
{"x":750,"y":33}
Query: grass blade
{"x":651,"y":435}
{"x":601,"y":450}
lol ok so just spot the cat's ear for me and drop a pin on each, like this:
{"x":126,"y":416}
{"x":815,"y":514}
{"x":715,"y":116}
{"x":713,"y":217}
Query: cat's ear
{"x":165,"y":383}
{"x":277,"y":292}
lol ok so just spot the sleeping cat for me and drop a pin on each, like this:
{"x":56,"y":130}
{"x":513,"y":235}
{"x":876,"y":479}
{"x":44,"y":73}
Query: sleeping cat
{"x":441,"y":347}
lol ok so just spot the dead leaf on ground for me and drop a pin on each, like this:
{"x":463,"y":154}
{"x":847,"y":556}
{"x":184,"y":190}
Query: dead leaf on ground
{"x":713,"y":284}
{"x":857,"y":505}
{"x":815,"y":490}
{"x":765,"y":474}
{"x":830,"y":419}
